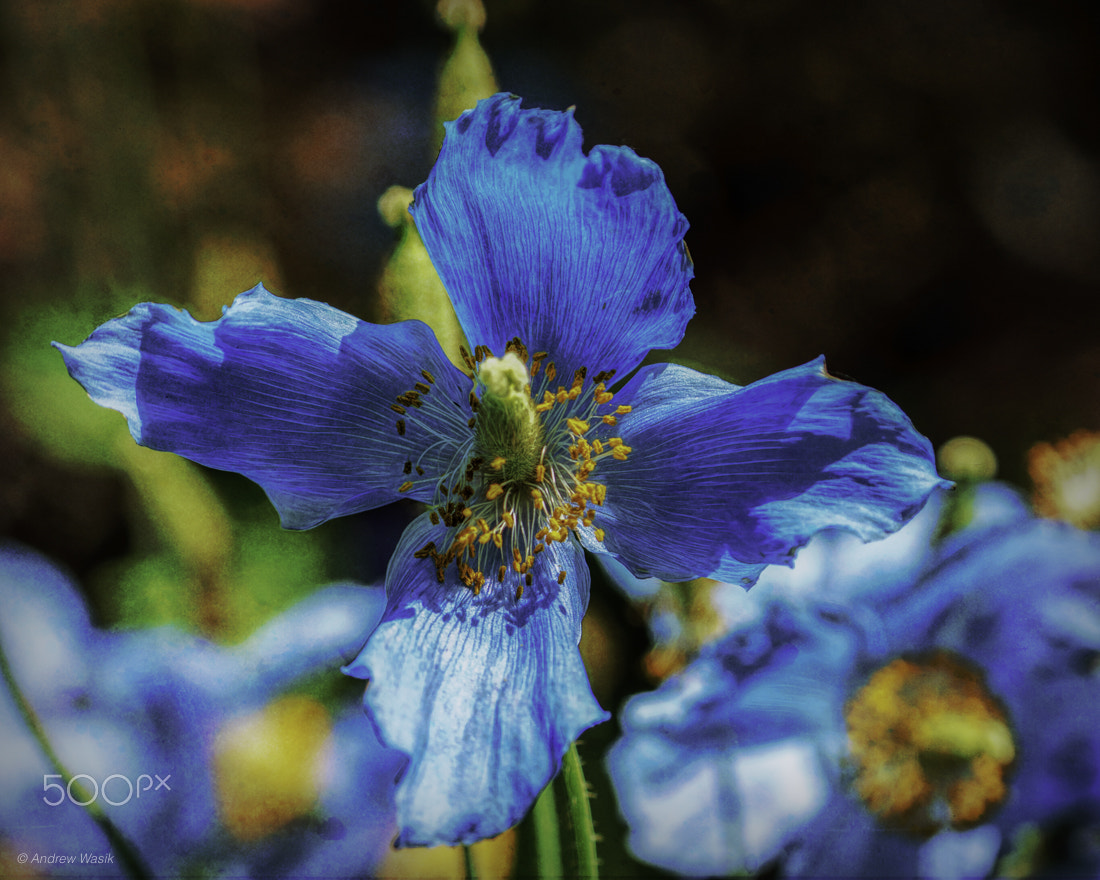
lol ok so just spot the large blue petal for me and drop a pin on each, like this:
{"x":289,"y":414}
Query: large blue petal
{"x":723,"y":480}
{"x":483,"y":693}
{"x":580,"y":256}
{"x":293,"y":394}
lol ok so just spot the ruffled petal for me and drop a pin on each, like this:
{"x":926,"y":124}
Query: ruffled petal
{"x":580,"y":256}
{"x":483,"y":693}
{"x":722,"y":480}
{"x":294,"y":394}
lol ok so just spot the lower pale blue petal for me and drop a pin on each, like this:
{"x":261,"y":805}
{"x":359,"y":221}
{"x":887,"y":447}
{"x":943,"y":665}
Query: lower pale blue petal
{"x":735,"y":754}
{"x":483,"y":693}
{"x":294,"y":394}
{"x":580,"y":256}
{"x":722,"y":480}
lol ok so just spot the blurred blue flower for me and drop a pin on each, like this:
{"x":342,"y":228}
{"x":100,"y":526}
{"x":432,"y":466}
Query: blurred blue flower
{"x":565,"y":270}
{"x":928,"y":724}
{"x":139,"y":714}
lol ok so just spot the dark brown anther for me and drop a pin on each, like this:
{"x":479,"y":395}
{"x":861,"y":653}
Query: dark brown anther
{"x":603,"y":376}
{"x":425,"y":551}
{"x":422,"y":388}
{"x":516,"y":345}
{"x":528,"y":579}
{"x":397,"y":408}
{"x":419,"y":471}
{"x":467,"y":492}
{"x":519,"y":592}
{"x":408,"y":468}
{"x":471,"y":422}
{"x":551,"y":371}
{"x":503,"y":570}
{"x":434,"y":517}
{"x":579,"y":375}
{"x":475,"y":404}
{"x":561,"y":577}
{"x":428,"y":377}
{"x":401,"y":427}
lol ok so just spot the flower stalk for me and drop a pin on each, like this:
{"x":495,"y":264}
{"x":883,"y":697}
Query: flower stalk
{"x":128,"y":856}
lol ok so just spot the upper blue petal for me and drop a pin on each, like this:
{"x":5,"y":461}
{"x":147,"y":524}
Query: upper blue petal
{"x":580,"y":256}
{"x":723,"y":480}
{"x":483,"y":693}
{"x":294,"y":394}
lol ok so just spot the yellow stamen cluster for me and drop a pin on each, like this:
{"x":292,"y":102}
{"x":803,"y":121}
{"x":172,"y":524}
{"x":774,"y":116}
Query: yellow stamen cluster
{"x":527,"y":479}
{"x":930,"y":746}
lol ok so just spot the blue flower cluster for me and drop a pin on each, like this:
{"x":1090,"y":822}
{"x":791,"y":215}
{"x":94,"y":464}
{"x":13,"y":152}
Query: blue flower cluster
{"x":910,"y":708}
{"x":141,"y":720}
{"x":565,"y":269}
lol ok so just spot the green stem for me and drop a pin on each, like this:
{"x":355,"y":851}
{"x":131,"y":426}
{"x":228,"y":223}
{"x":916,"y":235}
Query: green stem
{"x":544,"y":818}
{"x":468,"y":859}
{"x":128,"y":856}
{"x":580,"y":811}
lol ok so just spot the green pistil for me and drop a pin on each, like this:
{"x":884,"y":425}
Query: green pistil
{"x":508,"y":427}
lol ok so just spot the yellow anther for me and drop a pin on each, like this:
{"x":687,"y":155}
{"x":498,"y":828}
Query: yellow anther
{"x":601,"y":492}
{"x":483,"y":525}
{"x":561,"y":577}
{"x":536,"y":497}
{"x":497,"y":463}
{"x":509,"y":518}
{"x":467,"y":513}
{"x":598,"y":534}
{"x":494,"y":491}
{"x":405,"y":487}
{"x":562,"y":395}
{"x":577,"y":426}
{"x":529,"y":562}
{"x":498,"y":540}
{"x":610,"y":420}
{"x":485,"y":538}
{"x":540,"y":473}
{"x":597,"y":447}
{"x":614,"y":441}
{"x":604,"y":396}
{"x":621,"y":452}
{"x":623,"y":409}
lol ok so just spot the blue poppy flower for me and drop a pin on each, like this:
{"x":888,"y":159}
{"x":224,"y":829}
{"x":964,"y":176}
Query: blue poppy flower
{"x":935,"y":730}
{"x":139,"y":714}
{"x":565,"y":269}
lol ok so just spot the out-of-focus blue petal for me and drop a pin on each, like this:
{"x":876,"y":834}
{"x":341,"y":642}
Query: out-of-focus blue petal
{"x":580,"y":256}
{"x":722,"y":480}
{"x":619,"y":574}
{"x":323,"y":631}
{"x":294,"y":394}
{"x":483,"y":693}
{"x":44,"y":628}
{"x":734,"y":753}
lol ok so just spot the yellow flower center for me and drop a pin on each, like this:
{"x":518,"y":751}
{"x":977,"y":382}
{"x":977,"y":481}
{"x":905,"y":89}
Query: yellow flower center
{"x":523,"y":479}
{"x":930,"y":745}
